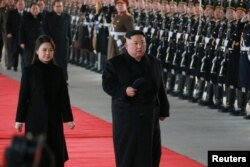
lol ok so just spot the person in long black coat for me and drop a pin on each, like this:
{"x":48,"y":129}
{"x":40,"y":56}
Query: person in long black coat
{"x":44,"y":102}
{"x":135,"y":83}
{"x":31,"y":29}
{"x":57,"y":25}
{"x":13,"y":24}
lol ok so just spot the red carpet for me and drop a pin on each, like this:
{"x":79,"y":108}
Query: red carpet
{"x":89,"y":144}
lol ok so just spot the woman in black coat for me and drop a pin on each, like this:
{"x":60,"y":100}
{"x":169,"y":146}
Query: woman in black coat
{"x":44,"y":101}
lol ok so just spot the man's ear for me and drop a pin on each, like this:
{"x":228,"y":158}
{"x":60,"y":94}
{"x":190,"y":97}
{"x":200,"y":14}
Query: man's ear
{"x":126,"y":45}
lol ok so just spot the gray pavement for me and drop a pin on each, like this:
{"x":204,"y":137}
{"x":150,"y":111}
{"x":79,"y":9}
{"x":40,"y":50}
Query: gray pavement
{"x":191,"y":130}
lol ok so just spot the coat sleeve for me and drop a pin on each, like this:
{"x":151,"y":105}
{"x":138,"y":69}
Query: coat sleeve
{"x":22,"y":32}
{"x":65,"y":101}
{"x":69,"y":31}
{"x":162,"y":96}
{"x":24,"y":97}
{"x":110,"y":82}
{"x":8,"y":22}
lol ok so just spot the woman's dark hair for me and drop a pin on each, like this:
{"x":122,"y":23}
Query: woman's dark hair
{"x":39,"y":41}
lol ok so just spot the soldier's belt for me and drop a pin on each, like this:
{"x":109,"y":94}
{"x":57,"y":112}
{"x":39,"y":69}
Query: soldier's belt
{"x":104,"y":24}
{"x":244,"y":48}
{"x":87,"y":23}
{"x":223,"y":48}
{"x":117,"y":34}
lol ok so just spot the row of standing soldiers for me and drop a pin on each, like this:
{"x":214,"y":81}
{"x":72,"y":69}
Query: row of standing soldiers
{"x":203,"y":47}
{"x":200,"y":49}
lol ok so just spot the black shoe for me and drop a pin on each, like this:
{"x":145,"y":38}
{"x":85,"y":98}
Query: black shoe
{"x":194,"y":99}
{"x":15,"y":69}
{"x":205,"y":103}
{"x":215,"y":106}
{"x":175,"y":93}
{"x":8,"y":68}
{"x":238,"y":113}
{"x":226,"y":109}
{"x":169,"y":91}
{"x":183,"y":96}
{"x":247,"y":117}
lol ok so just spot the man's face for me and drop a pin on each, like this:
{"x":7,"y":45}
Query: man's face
{"x":34,"y":10}
{"x":121,"y":6}
{"x":136,"y":46}
{"x":41,"y":5}
{"x":230,"y":14}
{"x":240,"y":14}
{"x":218,"y":13}
{"x":20,"y":5}
{"x":58,"y":7}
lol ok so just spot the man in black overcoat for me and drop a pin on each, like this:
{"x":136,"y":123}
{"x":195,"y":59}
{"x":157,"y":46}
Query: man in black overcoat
{"x":57,"y":25}
{"x":135,"y":83}
{"x":13,"y":24}
{"x":31,"y":28}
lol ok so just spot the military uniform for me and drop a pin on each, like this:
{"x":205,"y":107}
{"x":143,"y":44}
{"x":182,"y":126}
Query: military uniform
{"x":228,"y":73}
{"x":121,"y":24}
{"x":244,"y":69}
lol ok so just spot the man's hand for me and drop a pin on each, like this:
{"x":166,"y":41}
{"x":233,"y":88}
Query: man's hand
{"x":22,"y":45}
{"x":9,"y":35}
{"x":162,"y":118}
{"x":130,"y":92}
{"x":19,"y":126}
{"x":71,"y":125}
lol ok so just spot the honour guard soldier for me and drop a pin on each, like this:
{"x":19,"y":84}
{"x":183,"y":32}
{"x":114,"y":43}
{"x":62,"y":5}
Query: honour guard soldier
{"x":233,"y":63}
{"x":216,"y":61}
{"x":121,"y":23}
{"x":180,"y":36}
{"x":199,"y":67}
{"x":171,"y":46}
{"x":244,"y":66}
{"x":193,"y":45}
{"x":230,"y":62}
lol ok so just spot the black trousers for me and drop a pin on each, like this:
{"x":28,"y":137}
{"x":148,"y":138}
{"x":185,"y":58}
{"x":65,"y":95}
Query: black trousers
{"x":1,"y":47}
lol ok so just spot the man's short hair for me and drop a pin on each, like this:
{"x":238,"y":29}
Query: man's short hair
{"x":129,"y":34}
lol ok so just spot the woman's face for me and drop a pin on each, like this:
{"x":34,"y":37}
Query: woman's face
{"x":45,"y":52}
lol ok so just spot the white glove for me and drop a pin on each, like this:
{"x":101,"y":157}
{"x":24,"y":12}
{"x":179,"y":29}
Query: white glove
{"x":244,"y":19}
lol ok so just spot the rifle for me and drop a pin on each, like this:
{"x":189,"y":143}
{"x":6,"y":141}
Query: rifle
{"x":222,"y":71}
{"x":196,"y":45}
{"x":207,"y":41}
{"x":178,"y":36}
{"x":170,"y":34}
{"x":186,"y":42}
{"x":217,"y":49}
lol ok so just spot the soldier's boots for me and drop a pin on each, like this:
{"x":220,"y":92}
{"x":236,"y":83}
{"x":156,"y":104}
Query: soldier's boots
{"x":218,"y":93}
{"x":230,"y":99}
{"x":209,"y":96}
{"x":189,"y":89}
{"x":180,"y":86}
{"x":170,"y":83}
{"x":199,"y":91}
{"x":242,"y":102}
